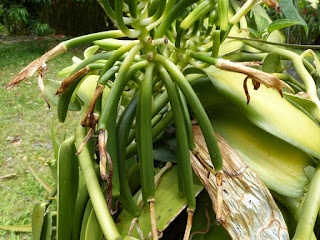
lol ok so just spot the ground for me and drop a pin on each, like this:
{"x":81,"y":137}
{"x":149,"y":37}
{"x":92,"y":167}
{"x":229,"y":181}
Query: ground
{"x":25,"y":135}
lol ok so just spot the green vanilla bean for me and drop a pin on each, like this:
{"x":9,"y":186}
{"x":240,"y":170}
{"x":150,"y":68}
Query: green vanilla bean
{"x":310,"y":209}
{"x":202,"y":9}
{"x":119,"y":17}
{"x":93,"y":37}
{"x":105,"y":220}
{"x":133,"y":8}
{"x":183,"y":157}
{"x":186,"y":115}
{"x":94,"y":58}
{"x":213,"y":16}
{"x":123,"y":129}
{"x":197,"y":109}
{"x":156,"y":9}
{"x":108,"y":9}
{"x":216,"y":43}
{"x":174,"y":13}
{"x":146,"y":160}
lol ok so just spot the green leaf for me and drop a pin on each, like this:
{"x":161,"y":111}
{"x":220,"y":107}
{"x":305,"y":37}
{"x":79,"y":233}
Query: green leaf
{"x":168,"y":206}
{"x":38,"y":219}
{"x":268,"y":110}
{"x":253,"y":32}
{"x":18,"y":228}
{"x":262,"y":23}
{"x":68,"y":175}
{"x":272,"y":63}
{"x":291,"y":13}
{"x":281,"y":23}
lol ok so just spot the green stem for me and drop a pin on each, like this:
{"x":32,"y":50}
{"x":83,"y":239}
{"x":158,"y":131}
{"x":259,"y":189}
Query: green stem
{"x":197,"y":109}
{"x":105,"y":220}
{"x":310,"y":209}
{"x":93,"y":37}
{"x":290,"y":45}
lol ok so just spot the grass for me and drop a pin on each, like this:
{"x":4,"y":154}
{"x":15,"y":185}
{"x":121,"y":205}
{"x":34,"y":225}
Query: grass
{"x":25,"y":131}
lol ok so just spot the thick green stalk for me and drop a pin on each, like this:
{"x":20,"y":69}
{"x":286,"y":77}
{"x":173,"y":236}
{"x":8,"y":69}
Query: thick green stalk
{"x":310,"y":209}
{"x":197,"y":109}
{"x":105,"y":220}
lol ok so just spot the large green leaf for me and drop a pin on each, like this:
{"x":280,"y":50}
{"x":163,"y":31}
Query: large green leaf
{"x":292,"y":14}
{"x":281,"y":23}
{"x":168,"y":206}
{"x":268,"y":110}
{"x":272,"y":63}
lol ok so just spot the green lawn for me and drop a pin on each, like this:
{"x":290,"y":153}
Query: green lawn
{"x":25,"y":131}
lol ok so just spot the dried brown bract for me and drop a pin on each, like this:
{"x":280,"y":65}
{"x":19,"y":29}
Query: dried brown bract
{"x":245,"y":197}
{"x":29,"y":70}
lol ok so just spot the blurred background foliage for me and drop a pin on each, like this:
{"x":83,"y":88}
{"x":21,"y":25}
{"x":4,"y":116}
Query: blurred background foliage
{"x":77,"y":17}
{"x":45,"y":17}
{"x":309,"y":10}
